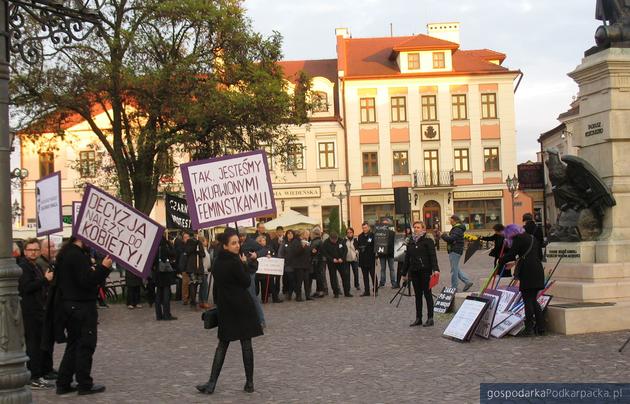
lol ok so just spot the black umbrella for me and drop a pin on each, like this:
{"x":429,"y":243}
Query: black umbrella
{"x":473,"y":246}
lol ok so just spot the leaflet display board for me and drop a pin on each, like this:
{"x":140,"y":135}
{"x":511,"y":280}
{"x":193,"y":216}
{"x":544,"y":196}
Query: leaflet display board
{"x":466,"y":320}
{"x":48,"y":205}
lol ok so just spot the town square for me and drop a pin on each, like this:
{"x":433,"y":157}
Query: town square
{"x":328,"y":202}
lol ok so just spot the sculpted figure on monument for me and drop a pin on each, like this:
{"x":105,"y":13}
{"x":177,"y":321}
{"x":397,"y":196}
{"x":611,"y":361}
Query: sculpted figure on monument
{"x":616,"y":29}
{"x":580,"y":195}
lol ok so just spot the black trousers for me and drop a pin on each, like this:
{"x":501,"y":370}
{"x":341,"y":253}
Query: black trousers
{"x":343,"y":270}
{"x":533,"y":311}
{"x":162,"y":302}
{"x":82,"y":319}
{"x":133,"y":295}
{"x":288,"y":282}
{"x":355,"y":272}
{"x":420,"y":281}
{"x":319,"y":276}
{"x":33,"y":324}
{"x":267,"y":285}
{"x":369,"y":272}
{"x":302,"y":277}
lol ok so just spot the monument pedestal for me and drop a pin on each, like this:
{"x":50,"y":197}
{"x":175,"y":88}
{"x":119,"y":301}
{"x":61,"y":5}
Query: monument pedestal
{"x":592,"y":289}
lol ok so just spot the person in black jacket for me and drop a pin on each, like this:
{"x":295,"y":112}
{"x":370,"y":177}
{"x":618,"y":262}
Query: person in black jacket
{"x":530,"y":273}
{"x":33,"y":286}
{"x":77,"y":281}
{"x":164,"y":277}
{"x":194,"y":267}
{"x":455,"y":248}
{"x":535,"y":230}
{"x":319,"y":264}
{"x":335,"y":251}
{"x":249,"y":247}
{"x":498,"y":249}
{"x":420,"y":263}
{"x":288,"y":276}
{"x":238,"y":319}
{"x":367,"y":259}
{"x":300,"y":251}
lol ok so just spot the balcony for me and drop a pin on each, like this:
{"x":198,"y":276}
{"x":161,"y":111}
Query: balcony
{"x":433,"y":179}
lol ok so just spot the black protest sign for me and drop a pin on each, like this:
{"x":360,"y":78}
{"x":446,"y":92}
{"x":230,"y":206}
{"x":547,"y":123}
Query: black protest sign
{"x":114,"y":228}
{"x":177,"y":213}
{"x":381,"y":239}
{"x":445,"y":300}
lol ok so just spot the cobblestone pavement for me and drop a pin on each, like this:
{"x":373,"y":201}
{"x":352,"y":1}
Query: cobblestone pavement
{"x":347,"y":350}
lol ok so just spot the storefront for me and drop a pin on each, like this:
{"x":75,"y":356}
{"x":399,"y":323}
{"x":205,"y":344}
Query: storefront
{"x":479,"y":210}
{"x":378,"y":207}
{"x":301,"y":200}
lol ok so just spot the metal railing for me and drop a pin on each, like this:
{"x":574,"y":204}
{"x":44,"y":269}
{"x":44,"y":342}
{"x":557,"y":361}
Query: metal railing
{"x":431,"y":179}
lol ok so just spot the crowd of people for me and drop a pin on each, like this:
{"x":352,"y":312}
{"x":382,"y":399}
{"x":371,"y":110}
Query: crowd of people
{"x":59,"y":299}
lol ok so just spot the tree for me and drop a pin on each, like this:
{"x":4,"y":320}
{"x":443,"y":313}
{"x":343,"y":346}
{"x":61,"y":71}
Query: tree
{"x":173,"y":76}
{"x":333,"y":224}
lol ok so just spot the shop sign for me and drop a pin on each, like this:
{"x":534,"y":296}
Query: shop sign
{"x":377,"y":199}
{"x":478,"y":194}
{"x":295,"y":193}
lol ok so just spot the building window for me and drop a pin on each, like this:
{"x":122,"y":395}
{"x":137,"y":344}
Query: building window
{"x":295,"y":157}
{"x":46,"y":164}
{"x":368,"y":110}
{"x":488,"y":106}
{"x":491,"y":158}
{"x":438,"y":60}
{"x":431,"y":167}
{"x":87,"y":164}
{"x":479,"y":214}
{"x":401,"y":163}
{"x":320,"y":101}
{"x":399,"y":109}
{"x":413,"y":61}
{"x":374,"y":214}
{"x":459,"y":106}
{"x":461,"y":160}
{"x":326,"y":154}
{"x":429,"y":108}
{"x":370,"y":164}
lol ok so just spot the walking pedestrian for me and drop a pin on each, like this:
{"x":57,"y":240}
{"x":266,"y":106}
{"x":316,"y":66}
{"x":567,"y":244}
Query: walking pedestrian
{"x":455,"y":248}
{"x":238,"y":320}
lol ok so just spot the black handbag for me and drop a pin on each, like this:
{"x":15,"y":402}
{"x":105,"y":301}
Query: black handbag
{"x":210,"y":318}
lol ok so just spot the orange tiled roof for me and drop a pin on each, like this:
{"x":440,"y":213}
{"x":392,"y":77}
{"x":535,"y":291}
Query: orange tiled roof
{"x":325,"y":68}
{"x":370,"y":57}
{"x":424,"y":42}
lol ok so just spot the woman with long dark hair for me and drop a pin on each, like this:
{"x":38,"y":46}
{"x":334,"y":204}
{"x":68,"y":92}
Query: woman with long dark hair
{"x":289,"y":275}
{"x":238,"y":319}
{"x":164,"y":277}
{"x":530,"y":273}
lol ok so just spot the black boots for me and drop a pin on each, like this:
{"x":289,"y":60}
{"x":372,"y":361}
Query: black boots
{"x":217,"y":364}
{"x":248,"y":362}
{"x":416,"y":323}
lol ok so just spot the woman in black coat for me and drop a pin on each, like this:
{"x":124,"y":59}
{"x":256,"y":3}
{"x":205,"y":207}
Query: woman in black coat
{"x":498,"y":248}
{"x":289,"y":276}
{"x":164,"y":276}
{"x":529,"y":271}
{"x":238,"y":319}
{"x":420,"y":263}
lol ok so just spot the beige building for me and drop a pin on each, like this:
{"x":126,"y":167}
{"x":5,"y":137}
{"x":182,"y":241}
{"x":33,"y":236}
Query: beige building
{"x":411,"y":111}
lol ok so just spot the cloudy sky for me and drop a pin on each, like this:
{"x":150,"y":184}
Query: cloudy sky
{"x":544,"y":38}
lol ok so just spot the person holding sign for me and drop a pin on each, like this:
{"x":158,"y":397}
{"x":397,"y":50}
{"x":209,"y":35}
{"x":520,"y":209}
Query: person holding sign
{"x":238,"y":319}
{"x":529,"y":271}
{"x":77,"y":281}
{"x":420,"y":263}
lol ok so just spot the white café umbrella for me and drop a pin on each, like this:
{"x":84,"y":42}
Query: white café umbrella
{"x":291,"y":218}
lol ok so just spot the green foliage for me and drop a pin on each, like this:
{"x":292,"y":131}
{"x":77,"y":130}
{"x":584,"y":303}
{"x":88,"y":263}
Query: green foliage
{"x":174,"y":76}
{"x":334,"y":220}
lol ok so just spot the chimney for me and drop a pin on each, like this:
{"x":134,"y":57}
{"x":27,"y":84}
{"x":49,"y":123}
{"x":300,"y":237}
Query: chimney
{"x":448,"y":31}
{"x":342,"y":32}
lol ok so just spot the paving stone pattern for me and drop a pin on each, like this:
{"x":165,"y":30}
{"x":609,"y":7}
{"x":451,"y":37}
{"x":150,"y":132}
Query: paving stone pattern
{"x":346,"y":350}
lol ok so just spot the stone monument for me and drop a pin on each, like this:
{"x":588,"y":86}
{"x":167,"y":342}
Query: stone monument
{"x":592,"y":292}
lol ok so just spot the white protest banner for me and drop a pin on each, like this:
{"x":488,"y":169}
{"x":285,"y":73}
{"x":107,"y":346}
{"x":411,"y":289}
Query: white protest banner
{"x":76,"y":208}
{"x":116,"y":229}
{"x":466,"y":318}
{"x":270,"y":266}
{"x":48,"y":205}
{"x":228,"y":189}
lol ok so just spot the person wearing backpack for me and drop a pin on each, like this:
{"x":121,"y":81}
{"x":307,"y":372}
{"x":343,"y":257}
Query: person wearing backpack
{"x":455,"y":248}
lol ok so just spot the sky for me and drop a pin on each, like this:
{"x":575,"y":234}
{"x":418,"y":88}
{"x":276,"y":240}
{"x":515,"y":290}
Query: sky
{"x":545,"y":39}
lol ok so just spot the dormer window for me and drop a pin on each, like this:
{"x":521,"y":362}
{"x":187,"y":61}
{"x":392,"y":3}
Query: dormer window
{"x":320,"y":101}
{"x":438,"y":60}
{"x":413,"y":61}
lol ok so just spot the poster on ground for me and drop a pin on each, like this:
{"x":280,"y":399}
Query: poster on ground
{"x":444,"y":300}
{"x":114,"y":228}
{"x":467,"y":318}
{"x":270,"y":266}
{"x":48,"y":205}
{"x":177,"y":213}
{"x":228,"y":189}
{"x":485,"y":324}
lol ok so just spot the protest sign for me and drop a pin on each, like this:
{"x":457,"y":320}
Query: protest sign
{"x":445,"y":300}
{"x":467,"y":318}
{"x":176,"y":213}
{"x":270,"y":266}
{"x":485,"y":324}
{"x":246,"y":223}
{"x":381,"y":239}
{"x":48,"y":205}
{"x":76,"y":208}
{"x":116,"y":229}
{"x":228,"y":189}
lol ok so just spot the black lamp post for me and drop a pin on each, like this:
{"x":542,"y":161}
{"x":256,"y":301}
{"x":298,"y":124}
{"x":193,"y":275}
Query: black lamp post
{"x":341,"y":196}
{"x":60,"y":22}
{"x":512,"y":185}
